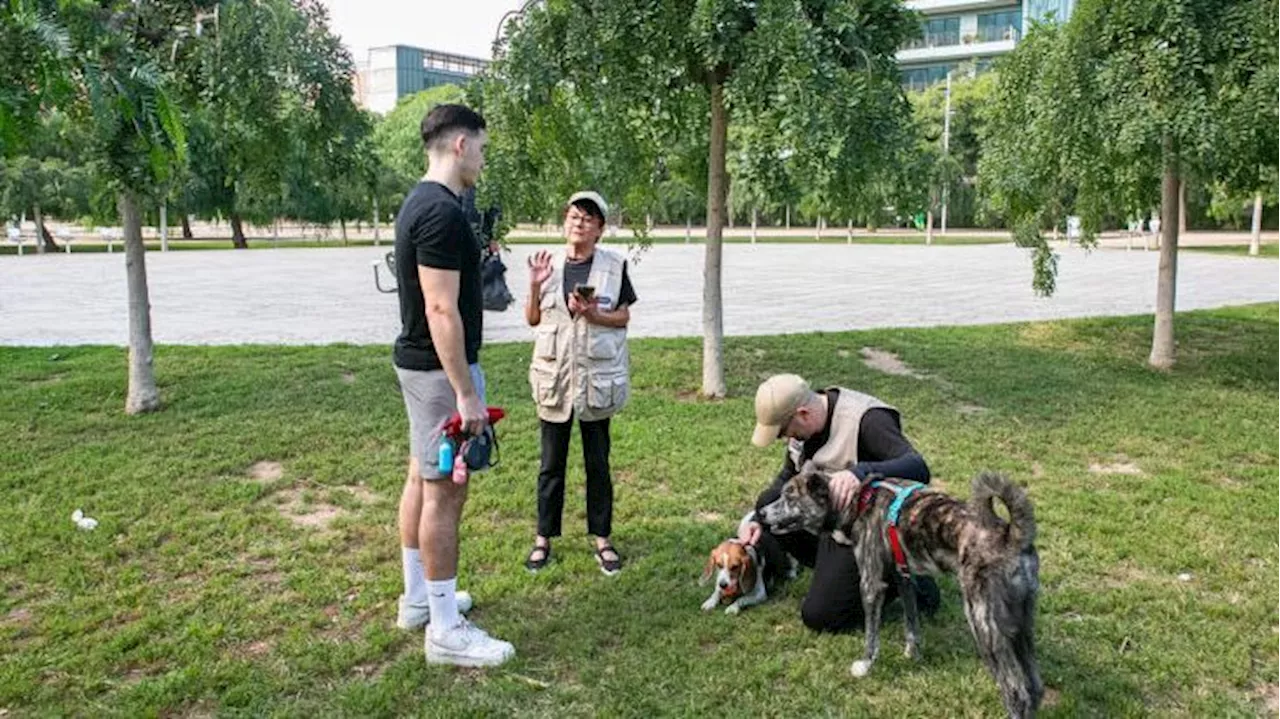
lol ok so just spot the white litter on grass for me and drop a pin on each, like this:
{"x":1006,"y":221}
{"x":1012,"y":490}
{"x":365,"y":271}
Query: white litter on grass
{"x":82,"y":521}
{"x":1184,"y":577}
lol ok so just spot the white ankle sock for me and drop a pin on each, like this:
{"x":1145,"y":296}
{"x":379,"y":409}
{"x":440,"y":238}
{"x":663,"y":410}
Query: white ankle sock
{"x":442,"y":601}
{"x":415,"y":577}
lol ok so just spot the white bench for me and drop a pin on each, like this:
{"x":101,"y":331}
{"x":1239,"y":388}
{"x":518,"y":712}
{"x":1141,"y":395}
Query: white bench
{"x":110,"y":234}
{"x":15,"y":236}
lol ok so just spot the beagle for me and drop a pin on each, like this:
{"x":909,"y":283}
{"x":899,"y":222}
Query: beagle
{"x":739,"y":571}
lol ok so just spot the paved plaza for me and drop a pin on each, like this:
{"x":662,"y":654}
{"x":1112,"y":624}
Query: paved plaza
{"x":320,"y":296}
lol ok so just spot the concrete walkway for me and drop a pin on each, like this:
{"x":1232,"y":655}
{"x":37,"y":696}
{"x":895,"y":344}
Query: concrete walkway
{"x":318,"y":296}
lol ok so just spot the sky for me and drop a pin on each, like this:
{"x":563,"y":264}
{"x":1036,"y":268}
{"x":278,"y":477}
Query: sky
{"x":465,"y":27}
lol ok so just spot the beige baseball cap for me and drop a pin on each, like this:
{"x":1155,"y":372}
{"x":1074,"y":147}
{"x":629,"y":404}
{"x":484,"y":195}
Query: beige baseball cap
{"x":777,"y":400}
{"x":592,"y":197}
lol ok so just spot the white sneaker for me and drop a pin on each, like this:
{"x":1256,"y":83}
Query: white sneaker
{"x":416,"y":616}
{"x":466,"y":645}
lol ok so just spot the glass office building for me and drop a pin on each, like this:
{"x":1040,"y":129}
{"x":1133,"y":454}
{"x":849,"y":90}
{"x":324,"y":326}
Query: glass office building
{"x":971,"y":33}
{"x":391,"y":72}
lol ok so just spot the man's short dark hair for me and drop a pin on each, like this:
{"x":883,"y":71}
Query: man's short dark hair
{"x":590,"y":208}
{"x":444,"y":120}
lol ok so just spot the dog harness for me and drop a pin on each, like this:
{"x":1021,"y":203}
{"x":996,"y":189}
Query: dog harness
{"x":892,"y":514}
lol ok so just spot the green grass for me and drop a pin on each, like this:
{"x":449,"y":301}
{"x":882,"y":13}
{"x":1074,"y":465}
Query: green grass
{"x":198,"y":595}
{"x":1264,"y":250}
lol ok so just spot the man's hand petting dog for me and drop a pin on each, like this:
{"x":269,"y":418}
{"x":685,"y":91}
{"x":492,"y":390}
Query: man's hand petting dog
{"x":844,"y":487}
{"x":749,"y":533}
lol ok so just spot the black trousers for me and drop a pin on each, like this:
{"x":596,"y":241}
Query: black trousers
{"x":834,"y":601}
{"x":595,"y":455}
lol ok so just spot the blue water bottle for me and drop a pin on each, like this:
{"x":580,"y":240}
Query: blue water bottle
{"x":444,"y":456}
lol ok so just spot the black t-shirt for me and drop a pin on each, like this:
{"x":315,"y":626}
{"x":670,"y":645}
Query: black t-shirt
{"x":432,"y":231}
{"x":579,"y":273}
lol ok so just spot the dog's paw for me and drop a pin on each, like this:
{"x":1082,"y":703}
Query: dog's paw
{"x":860,"y":668}
{"x":710,"y":604}
{"x":733,"y":609}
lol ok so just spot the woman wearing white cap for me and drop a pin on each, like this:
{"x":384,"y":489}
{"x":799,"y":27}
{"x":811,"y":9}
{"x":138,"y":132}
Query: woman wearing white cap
{"x":579,"y":306}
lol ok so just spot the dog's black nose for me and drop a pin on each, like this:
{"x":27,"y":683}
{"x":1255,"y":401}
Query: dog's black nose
{"x":723,"y":584}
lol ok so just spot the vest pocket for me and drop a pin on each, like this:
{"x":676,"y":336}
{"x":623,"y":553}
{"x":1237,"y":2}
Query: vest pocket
{"x":544,"y":341}
{"x":547,"y":392}
{"x":604,"y":343}
{"x":607,"y":391}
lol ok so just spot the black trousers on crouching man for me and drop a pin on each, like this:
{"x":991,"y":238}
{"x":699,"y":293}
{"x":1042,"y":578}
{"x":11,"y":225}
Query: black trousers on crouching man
{"x":555,"y":455}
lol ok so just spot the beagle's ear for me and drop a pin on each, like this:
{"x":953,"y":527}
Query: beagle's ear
{"x":709,"y":569}
{"x":747,"y":574}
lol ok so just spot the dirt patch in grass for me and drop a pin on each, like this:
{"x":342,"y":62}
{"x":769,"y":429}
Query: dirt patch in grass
{"x":1123,"y":575}
{"x":1051,"y":698}
{"x":1120,"y":466}
{"x":1269,"y":696}
{"x":363,"y":494}
{"x":266,"y":471}
{"x":889,"y":363}
{"x":688,"y":395}
{"x":294,"y":505}
{"x":969,"y":410}
{"x":312,"y":515}
{"x":19,"y":617}
{"x":710,"y":517}
{"x":349,"y":377}
{"x":256,"y":649}
{"x":1223,"y":480}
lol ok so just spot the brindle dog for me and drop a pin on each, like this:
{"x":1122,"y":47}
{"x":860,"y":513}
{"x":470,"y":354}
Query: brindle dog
{"x":994,"y":560}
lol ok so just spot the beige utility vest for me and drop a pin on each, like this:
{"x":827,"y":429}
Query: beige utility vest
{"x":841,"y":450}
{"x":580,"y":369}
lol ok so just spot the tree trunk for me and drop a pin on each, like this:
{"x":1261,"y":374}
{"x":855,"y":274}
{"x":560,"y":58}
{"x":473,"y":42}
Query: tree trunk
{"x":928,"y":227}
{"x":186,"y":227}
{"x":164,"y":227}
{"x":1162,"y":347}
{"x":48,"y":239}
{"x":377,"y":237}
{"x":754,"y":219}
{"x":712,"y":307}
{"x":40,"y":231}
{"x":1255,"y":239}
{"x":343,"y":224}
{"x":143,"y":395}
{"x":237,"y":233}
{"x":1182,"y":207}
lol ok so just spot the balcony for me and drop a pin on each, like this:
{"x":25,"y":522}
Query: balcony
{"x":945,"y":39}
{"x":970,"y":46}
{"x":930,"y":7}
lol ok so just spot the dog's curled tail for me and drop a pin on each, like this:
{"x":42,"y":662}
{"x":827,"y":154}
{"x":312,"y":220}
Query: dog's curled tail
{"x":1022,"y":525}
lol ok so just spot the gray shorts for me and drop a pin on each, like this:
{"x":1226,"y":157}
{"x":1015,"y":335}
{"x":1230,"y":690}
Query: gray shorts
{"x":430,"y":401}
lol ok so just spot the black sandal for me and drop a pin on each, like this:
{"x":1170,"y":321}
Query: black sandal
{"x":609,"y":566}
{"x":534,"y":565}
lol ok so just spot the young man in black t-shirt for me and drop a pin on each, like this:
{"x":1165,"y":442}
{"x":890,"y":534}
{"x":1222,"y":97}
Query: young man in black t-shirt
{"x":437,"y":361}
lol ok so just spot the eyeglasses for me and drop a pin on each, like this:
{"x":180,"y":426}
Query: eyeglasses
{"x":580,"y":218}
